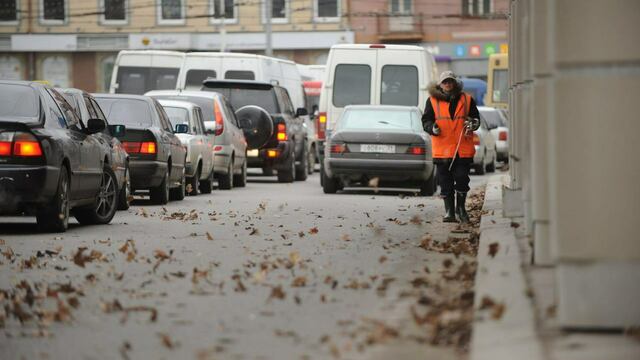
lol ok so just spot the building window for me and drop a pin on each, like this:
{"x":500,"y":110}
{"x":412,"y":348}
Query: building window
{"x":401,"y":6}
{"x":171,"y":12}
{"x":477,"y":7}
{"x":279,"y":11}
{"x":53,"y":12}
{"x":8,"y":12}
{"x":223,"y":11}
{"x":114,"y":11}
{"x":327,"y":10}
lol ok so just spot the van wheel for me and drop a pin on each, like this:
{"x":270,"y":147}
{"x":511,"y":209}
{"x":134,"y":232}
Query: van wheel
{"x":54,"y":217}
{"x":160,"y":195}
{"x":106,"y":203}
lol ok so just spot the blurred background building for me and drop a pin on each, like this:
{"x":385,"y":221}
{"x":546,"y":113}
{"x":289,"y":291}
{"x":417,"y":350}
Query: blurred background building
{"x":75,"y":42}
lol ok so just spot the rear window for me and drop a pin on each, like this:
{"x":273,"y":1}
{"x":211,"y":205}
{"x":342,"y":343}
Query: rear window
{"x":19,"y":102}
{"x":352,"y":85}
{"x":492,"y":117}
{"x":177,"y":115}
{"x":139,"y":80}
{"x":379,"y":119}
{"x":129,"y":112}
{"x":196,"y":77}
{"x":240,"y":75}
{"x":206,"y":104}
{"x":264,"y":98}
{"x":399,"y":85}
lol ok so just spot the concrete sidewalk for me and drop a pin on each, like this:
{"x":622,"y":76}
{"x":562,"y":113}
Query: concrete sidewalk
{"x":515,"y":301}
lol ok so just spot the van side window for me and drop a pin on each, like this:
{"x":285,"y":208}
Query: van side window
{"x":352,"y":85}
{"x":399,"y":85}
{"x":196,"y":77}
{"x":240,"y":75}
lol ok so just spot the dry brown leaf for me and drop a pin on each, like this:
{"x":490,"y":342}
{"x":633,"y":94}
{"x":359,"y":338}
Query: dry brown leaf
{"x":300,"y":281}
{"x":382,"y":259}
{"x":313,"y":230}
{"x":167,"y":341}
{"x":209,"y":237}
{"x":493,"y":249}
{"x":277,"y":293}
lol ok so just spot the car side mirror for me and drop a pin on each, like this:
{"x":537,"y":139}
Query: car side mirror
{"x":301,"y":112}
{"x":118,"y":131}
{"x":96,"y":125}
{"x":182,"y":129}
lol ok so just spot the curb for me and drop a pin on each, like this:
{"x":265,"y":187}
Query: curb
{"x":506,"y":328}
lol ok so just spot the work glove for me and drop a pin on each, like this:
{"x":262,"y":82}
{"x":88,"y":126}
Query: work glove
{"x":472,"y":124}
{"x":435,"y":129}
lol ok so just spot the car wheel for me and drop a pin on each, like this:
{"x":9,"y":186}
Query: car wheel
{"x":225,"y":182}
{"x":54,"y":217}
{"x":287,"y":176}
{"x":330,"y":185}
{"x":160,"y":194}
{"x":124,"y":198}
{"x":491,"y":167}
{"x":206,"y":186}
{"x":241,"y":179}
{"x":194,"y":183}
{"x":179,"y":192}
{"x":311,"y":160}
{"x":106,"y":202}
{"x":301,"y":169}
{"x":480,"y":169}
{"x":321,"y":173}
{"x":429,"y":187}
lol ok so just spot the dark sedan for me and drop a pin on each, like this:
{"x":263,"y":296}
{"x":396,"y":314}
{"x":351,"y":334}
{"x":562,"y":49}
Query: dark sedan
{"x":87,"y":108}
{"x":50,"y":164}
{"x":386,"y":144}
{"x":157,"y":157}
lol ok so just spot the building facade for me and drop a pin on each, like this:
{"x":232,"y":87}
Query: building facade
{"x":75,"y":42}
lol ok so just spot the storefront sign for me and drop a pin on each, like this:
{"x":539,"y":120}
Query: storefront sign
{"x":160,"y":41}
{"x":23,"y":42}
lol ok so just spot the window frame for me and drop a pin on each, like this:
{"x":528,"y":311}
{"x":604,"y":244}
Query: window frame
{"x":17,"y":20}
{"x":287,"y":12}
{"x":223,"y":20}
{"x":469,"y":5}
{"x":402,"y":10}
{"x":325,"y":19}
{"x":171,"y":22}
{"x":104,"y":21}
{"x":49,"y":22}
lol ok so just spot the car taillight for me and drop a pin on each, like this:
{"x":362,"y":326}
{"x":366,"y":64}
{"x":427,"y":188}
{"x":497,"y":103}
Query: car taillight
{"x":25,"y":144}
{"x":502,"y":136}
{"x":322,"y":125}
{"x":148,"y":147}
{"x":131,"y":147}
{"x":282,"y":132}
{"x":5,"y":148}
{"x":338,"y":148}
{"x":219,"y":120}
{"x":416,"y":150}
{"x":476,"y":139}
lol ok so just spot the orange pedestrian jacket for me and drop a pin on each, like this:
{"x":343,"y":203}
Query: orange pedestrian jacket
{"x":444,"y":145}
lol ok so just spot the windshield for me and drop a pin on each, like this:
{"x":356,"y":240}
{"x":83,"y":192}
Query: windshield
{"x":177,"y":115}
{"x":138,"y":80}
{"x":264,"y":98}
{"x":377,"y":119}
{"x":129,"y":112}
{"x":18,"y":102}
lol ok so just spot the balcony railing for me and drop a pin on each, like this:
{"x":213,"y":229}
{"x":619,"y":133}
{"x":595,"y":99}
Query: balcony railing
{"x":400,"y":27}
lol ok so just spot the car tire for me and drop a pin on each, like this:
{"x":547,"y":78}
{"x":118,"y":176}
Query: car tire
{"x":311,"y":160}
{"x":240,"y":180}
{"x":321,"y":173}
{"x":106,"y":202}
{"x":179,"y":193}
{"x":267,"y":171}
{"x":491,"y":167}
{"x":429,"y":187}
{"x":54,"y":216}
{"x":195,"y":183}
{"x":287,"y":176}
{"x":206,"y":186}
{"x":330,"y":185}
{"x":301,"y":169}
{"x":225,"y":181}
{"x":480,"y":169}
{"x":160,"y":195}
{"x":124,"y":198}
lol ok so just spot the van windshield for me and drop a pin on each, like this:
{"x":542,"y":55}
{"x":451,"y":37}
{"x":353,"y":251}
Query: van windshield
{"x":352,"y":85}
{"x":138,"y":80}
{"x":238,"y":97}
{"x":129,"y":112}
{"x":399,"y":85}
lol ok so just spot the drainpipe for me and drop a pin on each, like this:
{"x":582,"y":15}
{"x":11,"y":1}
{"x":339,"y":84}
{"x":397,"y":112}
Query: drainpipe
{"x":31,"y":56}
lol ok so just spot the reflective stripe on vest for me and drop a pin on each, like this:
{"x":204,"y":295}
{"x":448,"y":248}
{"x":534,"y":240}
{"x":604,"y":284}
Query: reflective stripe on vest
{"x":444,"y":145}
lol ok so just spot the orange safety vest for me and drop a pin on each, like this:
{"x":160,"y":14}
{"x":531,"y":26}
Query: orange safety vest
{"x":444,"y":145}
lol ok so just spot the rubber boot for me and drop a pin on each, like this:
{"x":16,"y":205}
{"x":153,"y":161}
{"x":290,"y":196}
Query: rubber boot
{"x":461,"y":199}
{"x":449,"y":208}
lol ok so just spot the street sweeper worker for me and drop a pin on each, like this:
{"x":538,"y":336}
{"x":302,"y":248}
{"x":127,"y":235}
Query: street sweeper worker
{"x":451,"y":116}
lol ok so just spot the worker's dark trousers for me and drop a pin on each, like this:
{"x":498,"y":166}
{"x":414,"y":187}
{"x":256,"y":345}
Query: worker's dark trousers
{"x":457,"y":179}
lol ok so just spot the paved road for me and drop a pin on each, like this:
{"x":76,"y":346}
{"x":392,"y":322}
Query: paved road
{"x":271,"y":271}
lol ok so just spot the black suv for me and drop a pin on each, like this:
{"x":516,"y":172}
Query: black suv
{"x":274,"y":130}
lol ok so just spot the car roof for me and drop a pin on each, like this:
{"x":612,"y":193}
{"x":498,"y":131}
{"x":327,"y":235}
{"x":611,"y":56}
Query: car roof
{"x":25,"y":83}
{"x":227,"y":82}
{"x":369,"y":46}
{"x":194,"y":93}
{"x":381,"y":107}
{"x":122,"y":96}
{"x":178,"y":103}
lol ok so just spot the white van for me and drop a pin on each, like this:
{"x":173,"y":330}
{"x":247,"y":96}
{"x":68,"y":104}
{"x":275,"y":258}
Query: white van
{"x":362,"y":74}
{"x":199,"y":66}
{"x":139,"y":71}
{"x":312,"y":72}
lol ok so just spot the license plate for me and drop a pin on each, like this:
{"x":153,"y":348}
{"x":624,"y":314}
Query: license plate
{"x":377,"y":148}
{"x":253,"y":153}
